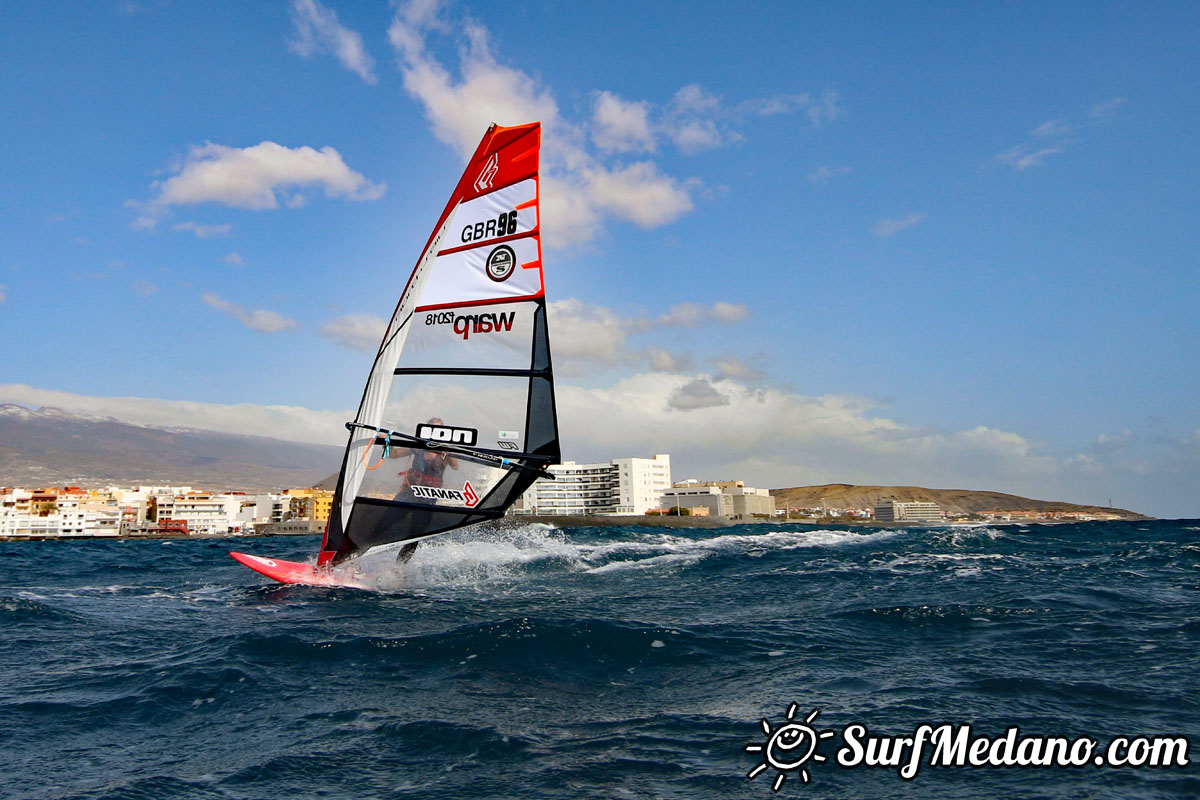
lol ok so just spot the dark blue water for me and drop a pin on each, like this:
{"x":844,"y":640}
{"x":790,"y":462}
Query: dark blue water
{"x":587,"y":662}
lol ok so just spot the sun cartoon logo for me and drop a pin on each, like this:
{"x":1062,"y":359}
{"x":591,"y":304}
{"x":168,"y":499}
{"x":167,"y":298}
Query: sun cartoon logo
{"x":789,"y":747}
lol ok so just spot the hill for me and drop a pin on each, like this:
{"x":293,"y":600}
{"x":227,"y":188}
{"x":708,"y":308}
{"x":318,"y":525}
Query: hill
{"x":50,"y":447}
{"x":952,"y":501}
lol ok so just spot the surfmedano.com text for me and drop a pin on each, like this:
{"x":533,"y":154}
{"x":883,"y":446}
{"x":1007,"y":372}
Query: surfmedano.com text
{"x":954,"y":746}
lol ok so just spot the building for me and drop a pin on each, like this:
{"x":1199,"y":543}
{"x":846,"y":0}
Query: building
{"x":69,"y":512}
{"x":314,"y":504}
{"x":720,"y":498}
{"x":749,"y":502}
{"x":641,"y":482}
{"x":894,"y":511}
{"x":621,"y":486}
{"x":694,"y":496}
{"x":205,"y":513}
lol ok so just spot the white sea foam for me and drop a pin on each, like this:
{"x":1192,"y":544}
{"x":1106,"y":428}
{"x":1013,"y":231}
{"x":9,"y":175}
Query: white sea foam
{"x":500,"y":554}
{"x":653,"y":562}
{"x":464,"y":559}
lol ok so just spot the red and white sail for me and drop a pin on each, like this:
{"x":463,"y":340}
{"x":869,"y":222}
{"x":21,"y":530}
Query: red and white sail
{"x":463,"y":376}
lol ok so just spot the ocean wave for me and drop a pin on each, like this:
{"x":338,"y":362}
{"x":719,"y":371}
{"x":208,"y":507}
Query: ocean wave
{"x":30,"y":609}
{"x":480,"y":559}
{"x":156,"y":787}
{"x":531,"y":662}
{"x":939,"y":615}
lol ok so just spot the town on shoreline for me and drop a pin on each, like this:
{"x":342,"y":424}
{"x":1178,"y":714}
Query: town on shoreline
{"x":578,"y":497}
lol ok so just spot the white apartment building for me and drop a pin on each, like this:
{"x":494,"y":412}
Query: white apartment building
{"x":263,"y":508}
{"x":204,"y":513}
{"x":641,"y":482}
{"x":621,"y":486}
{"x":68,"y":520}
{"x":49,"y":513}
{"x":893,"y":511}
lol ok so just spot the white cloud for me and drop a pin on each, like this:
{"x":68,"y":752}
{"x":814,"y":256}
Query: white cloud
{"x":581,"y":192}
{"x":621,"y":126}
{"x":694,"y":99}
{"x":730,"y":367}
{"x":249,"y":177}
{"x":318,"y":31}
{"x":690,"y":121}
{"x":361,"y":332}
{"x":823,"y":174}
{"x":661,"y":360}
{"x":578,"y":192}
{"x":770,"y":106}
{"x":696,"y":135}
{"x":591,"y":336}
{"x":638,"y":193}
{"x":203,"y":231}
{"x":768,"y":437}
{"x":259,"y":320}
{"x":689,"y":315}
{"x":826,"y":109}
{"x":145,"y":288}
{"x":773,"y":437}
{"x":1053,"y":127}
{"x":1107,"y":110}
{"x":1050,"y":138}
{"x":3,"y":292}
{"x":696,"y":120}
{"x":233,"y":260}
{"x":1022,"y":157}
{"x":890,"y":227}
{"x":293,"y":423}
{"x":581,"y":334}
{"x":460,"y":111}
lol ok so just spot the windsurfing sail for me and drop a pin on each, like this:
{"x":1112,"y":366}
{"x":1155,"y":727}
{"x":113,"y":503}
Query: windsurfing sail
{"x":457,"y":418}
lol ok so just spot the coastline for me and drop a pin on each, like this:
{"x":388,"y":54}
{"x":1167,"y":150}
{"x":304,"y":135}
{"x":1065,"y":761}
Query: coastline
{"x":568,"y":521}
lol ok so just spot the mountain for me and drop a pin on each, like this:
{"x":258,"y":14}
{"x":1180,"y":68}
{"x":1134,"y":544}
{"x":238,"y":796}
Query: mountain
{"x":952,"y":501}
{"x":51,"y":447}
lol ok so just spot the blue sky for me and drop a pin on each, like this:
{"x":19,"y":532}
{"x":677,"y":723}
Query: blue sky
{"x":942,"y":244}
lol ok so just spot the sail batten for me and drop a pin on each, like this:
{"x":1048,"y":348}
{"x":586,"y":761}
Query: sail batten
{"x":457,"y":417}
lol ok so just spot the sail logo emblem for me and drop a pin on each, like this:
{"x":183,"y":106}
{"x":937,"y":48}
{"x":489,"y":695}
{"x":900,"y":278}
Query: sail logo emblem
{"x":465,"y":495}
{"x":447,"y":433}
{"x":488,"y":173}
{"x":500,"y":263}
{"x":789,"y":747}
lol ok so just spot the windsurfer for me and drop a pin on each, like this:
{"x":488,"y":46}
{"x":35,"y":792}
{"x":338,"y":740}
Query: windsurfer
{"x":426,"y":469}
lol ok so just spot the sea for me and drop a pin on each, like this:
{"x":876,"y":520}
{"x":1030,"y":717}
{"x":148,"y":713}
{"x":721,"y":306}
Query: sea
{"x":528,"y":661}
